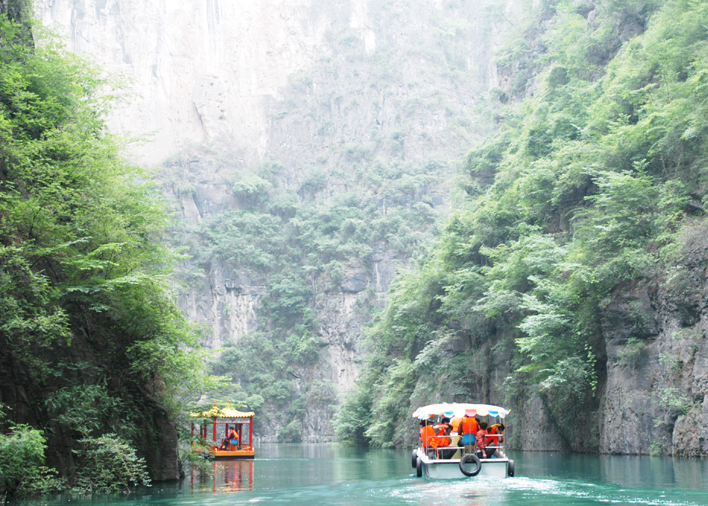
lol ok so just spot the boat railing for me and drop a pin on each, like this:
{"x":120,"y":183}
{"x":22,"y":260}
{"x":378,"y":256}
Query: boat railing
{"x":439,"y":438}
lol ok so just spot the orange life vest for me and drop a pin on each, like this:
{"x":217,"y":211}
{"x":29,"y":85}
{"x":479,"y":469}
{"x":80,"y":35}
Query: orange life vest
{"x":469,"y":425}
{"x":427,"y":436}
{"x":494,"y":439}
{"x":455,"y":422}
{"x":443,"y":440}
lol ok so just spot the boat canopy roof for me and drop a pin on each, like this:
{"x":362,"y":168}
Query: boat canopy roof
{"x":222,"y":413}
{"x":459,"y":409}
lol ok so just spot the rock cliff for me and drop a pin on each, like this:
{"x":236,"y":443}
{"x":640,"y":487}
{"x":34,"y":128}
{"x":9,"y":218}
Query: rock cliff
{"x":376,"y":101}
{"x":372,"y":99}
{"x":657,"y":361}
{"x":196,"y":70}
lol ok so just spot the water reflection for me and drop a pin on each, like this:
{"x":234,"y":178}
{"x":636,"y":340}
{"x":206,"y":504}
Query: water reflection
{"x":326,"y":474}
{"x":313,"y":474}
{"x":649,"y":472}
{"x":227,"y":477}
{"x":320,"y":464}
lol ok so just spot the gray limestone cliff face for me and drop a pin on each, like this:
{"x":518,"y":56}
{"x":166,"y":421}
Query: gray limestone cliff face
{"x":655,"y":400}
{"x":217,"y":88}
{"x":386,"y":88}
{"x":197,"y":70}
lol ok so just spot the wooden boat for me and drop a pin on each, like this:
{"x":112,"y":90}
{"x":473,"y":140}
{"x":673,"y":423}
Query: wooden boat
{"x":214,"y":425}
{"x":428,"y":461}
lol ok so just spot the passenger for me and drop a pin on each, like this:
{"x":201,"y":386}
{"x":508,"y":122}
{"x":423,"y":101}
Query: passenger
{"x":428,"y":437}
{"x":468,"y":430}
{"x":444,"y":425}
{"x":482,"y":444}
{"x":224,"y":445}
{"x":233,"y":439}
{"x":443,"y":432}
{"x":496,"y":434}
{"x":455,"y":422}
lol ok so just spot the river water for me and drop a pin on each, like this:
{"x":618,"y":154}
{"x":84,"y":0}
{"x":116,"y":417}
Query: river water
{"x":327,"y":474}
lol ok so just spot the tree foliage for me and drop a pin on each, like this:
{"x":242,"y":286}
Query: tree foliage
{"x":108,"y":464}
{"x":585,"y":187}
{"x":22,"y":469}
{"x":88,"y":325}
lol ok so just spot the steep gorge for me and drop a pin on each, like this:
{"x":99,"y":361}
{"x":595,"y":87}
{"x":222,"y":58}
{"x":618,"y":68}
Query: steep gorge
{"x":310,"y":148}
{"x":571,"y":282}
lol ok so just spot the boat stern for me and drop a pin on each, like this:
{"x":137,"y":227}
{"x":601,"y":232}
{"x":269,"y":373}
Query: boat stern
{"x":449,"y":469}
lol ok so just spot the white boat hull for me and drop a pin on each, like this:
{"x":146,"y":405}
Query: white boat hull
{"x":450,"y":469}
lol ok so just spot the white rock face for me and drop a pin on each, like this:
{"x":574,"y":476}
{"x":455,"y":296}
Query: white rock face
{"x":199,"y":69}
{"x":326,"y":84}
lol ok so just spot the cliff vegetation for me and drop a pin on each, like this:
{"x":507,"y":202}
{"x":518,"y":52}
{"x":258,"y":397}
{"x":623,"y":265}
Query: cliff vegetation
{"x":291,"y":254}
{"x":96,"y":359}
{"x":574,"y":249}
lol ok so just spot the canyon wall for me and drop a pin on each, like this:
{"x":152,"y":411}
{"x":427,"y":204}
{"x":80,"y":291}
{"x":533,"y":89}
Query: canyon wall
{"x":656,"y":396}
{"x":378,"y":99}
{"x":195,"y":70}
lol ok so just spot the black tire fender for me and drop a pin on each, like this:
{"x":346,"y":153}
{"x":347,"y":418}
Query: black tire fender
{"x":414,"y":460}
{"x":419,"y":468}
{"x":470,"y":457}
{"x":510,"y":469}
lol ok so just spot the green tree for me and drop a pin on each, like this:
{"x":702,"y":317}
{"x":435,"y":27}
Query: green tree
{"x":22,"y":469}
{"x":87,"y":315}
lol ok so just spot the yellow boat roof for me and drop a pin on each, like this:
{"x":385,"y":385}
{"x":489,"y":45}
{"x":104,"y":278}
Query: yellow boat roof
{"x":459,"y":409}
{"x":222,"y":413}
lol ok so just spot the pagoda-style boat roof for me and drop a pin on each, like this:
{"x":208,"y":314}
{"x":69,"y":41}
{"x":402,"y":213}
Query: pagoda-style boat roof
{"x":216,"y":412}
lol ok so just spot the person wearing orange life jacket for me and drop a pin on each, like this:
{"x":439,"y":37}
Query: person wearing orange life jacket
{"x":455,"y":423}
{"x":443,"y":430}
{"x":233,"y":439}
{"x":496,"y":434}
{"x":428,"y":437}
{"x":468,"y":430}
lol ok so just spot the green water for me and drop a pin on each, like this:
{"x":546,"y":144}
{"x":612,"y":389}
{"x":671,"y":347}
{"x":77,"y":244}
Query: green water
{"x":325,"y":474}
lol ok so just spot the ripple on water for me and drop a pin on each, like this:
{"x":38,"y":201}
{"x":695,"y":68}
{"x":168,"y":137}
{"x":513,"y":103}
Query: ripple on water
{"x":312,"y":475}
{"x":533,"y":491}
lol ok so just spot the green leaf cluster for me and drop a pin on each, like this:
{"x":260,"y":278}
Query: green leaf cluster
{"x":22,"y":469}
{"x":107,"y":464}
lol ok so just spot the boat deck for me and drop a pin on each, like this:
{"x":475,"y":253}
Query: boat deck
{"x":243,"y":453}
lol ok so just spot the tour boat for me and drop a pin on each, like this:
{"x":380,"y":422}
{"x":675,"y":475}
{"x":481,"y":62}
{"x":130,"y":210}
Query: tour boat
{"x":216,"y":424}
{"x":428,"y":460}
